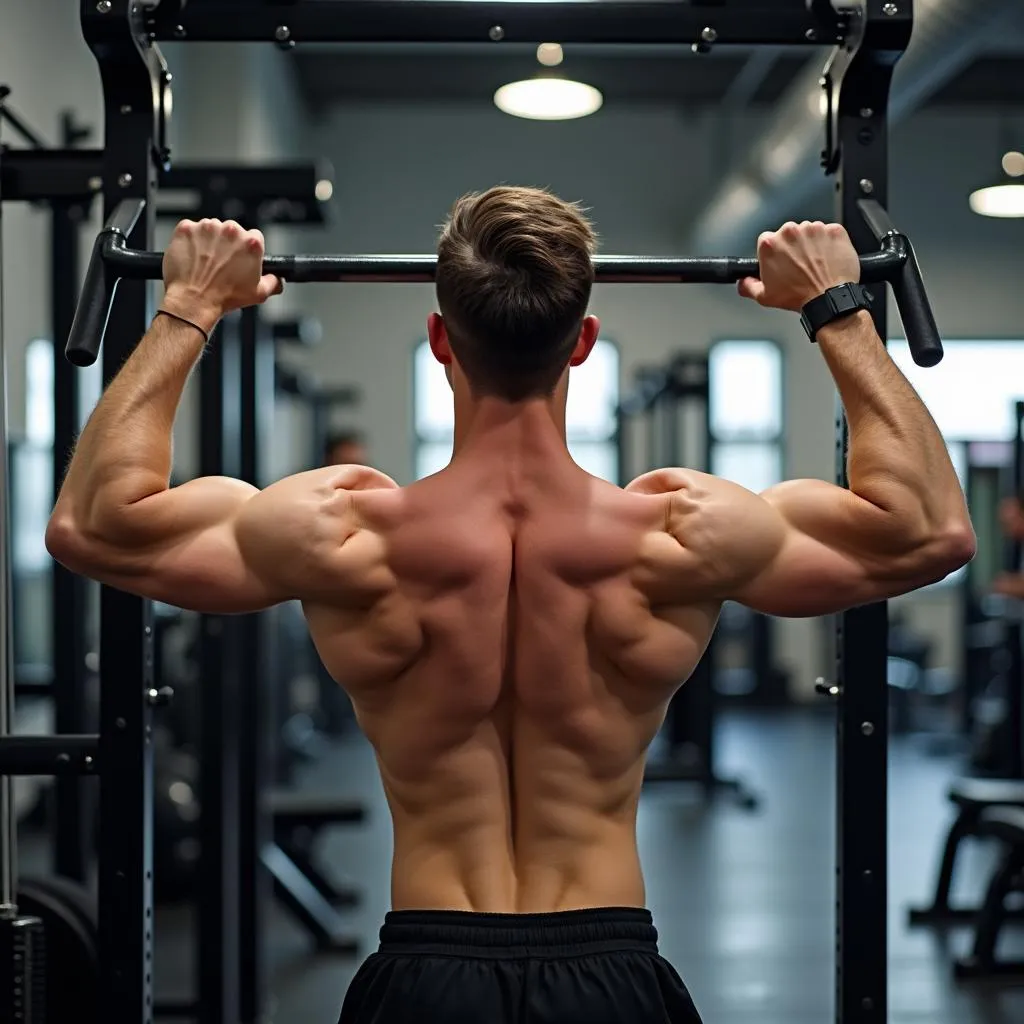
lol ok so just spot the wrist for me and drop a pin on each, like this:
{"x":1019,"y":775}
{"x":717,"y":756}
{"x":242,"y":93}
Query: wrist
{"x":860,"y":322}
{"x":193,"y":306}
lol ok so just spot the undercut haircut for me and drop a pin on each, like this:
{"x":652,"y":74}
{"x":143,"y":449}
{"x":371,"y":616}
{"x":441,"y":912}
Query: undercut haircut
{"x":514,"y":276}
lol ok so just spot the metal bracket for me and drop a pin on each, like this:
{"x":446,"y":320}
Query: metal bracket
{"x":104,"y":26}
{"x":871,"y":37}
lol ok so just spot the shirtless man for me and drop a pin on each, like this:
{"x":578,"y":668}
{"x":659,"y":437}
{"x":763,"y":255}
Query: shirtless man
{"x":511,"y":629}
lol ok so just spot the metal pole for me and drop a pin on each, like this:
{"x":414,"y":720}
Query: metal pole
{"x":217,"y":917}
{"x":128,"y":72}
{"x":68,"y":618}
{"x":1014,"y":635}
{"x":256,"y":387}
{"x":706,"y":721}
{"x":861,"y":75}
{"x":8,"y":824}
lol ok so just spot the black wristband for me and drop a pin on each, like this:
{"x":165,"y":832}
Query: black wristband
{"x":189,"y":323}
{"x":841,"y":301}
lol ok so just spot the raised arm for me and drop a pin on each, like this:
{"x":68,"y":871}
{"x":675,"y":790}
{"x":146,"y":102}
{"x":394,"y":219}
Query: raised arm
{"x":213,"y":544}
{"x":833,"y":549}
{"x":807,"y":547}
{"x":218,"y":545}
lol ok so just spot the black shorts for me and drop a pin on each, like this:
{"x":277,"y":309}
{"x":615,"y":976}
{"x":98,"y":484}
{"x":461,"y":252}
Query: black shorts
{"x":576,"y":967}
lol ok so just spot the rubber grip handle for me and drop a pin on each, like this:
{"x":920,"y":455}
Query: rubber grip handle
{"x":916,"y":311}
{"x":93,"y":312}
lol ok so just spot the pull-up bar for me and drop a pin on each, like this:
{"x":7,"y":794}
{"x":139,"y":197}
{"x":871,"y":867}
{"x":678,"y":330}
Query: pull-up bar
{"x":112,"y":260}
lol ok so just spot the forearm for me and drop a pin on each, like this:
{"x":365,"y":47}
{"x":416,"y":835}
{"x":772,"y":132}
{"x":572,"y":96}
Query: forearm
{"x":124,"y":454}
{"x":897,"y":459}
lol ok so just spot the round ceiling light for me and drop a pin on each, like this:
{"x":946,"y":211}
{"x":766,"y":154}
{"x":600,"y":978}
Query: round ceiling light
{"x":999,"y":201}
{"x":1013,"y":164}
{"x":550,"y":54}
{"x":548,"y":99}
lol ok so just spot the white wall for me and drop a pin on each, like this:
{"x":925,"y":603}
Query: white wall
{"x":642,"y":173}
{"x":49,"y":68}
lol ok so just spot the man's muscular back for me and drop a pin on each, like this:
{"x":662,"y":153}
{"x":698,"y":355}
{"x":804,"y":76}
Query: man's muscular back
{"x":511,"y":629}
{"x":511,"y":663}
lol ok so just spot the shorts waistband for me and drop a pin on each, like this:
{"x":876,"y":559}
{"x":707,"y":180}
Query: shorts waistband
{"x":516,"y":936}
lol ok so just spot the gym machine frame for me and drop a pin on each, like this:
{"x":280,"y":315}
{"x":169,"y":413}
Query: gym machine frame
{"x":857,"y":84}
{"x":235,"y":394}
{"x":870,"y":37}
{"x":228,"y":948}
{"x":41,"y":175}
{"x":66,"y":179}
{"x":660,"y":396}
{"x":123,"y":743}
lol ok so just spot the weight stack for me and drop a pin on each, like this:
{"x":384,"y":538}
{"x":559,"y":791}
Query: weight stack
{"x":22,"y":971}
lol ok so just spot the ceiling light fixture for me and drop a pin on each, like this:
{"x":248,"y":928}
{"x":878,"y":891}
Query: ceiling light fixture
{"x":550,"y":54}
{"x":1013,"y":164}
{"x":548,"y":99}
{"x":1005,"y":200}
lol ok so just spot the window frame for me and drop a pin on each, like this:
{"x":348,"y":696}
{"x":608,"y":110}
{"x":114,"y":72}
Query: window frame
{"x":779,"y":440}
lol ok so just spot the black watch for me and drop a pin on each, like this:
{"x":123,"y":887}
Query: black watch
{"x":843,"y":300}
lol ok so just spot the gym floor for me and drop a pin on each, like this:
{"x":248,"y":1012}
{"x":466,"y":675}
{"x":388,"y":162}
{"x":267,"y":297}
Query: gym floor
{"x":743,"y":901}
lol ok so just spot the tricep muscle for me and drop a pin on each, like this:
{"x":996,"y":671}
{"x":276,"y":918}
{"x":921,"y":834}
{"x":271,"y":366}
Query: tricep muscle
{"x":834,"y":551}
{"x":802,"y":548}
{"x":215,"y":544}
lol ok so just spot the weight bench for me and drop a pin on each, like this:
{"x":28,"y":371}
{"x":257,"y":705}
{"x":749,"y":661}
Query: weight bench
{"x":1005,"y":824}
{"x":975,"y":798}
{"x":297,"y":818}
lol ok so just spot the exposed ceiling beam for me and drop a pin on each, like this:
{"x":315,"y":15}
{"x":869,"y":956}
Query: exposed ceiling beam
{"x":781,"y":167}
{"x":745,"y":85}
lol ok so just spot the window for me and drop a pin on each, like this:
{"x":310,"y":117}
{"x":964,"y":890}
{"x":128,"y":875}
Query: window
{"x":32,"y":458}
{"x":971,"y":396}
{"x":39,"y":392}
{"x":32,"y":463}
{"x":745,"y":412}
{"x":589,"y":416}
{"x":971,"y":393}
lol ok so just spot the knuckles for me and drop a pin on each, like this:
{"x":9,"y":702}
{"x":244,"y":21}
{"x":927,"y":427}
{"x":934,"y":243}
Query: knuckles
{"x":211,"y":229}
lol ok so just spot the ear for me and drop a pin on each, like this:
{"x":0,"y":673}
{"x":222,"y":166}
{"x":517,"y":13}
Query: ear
{"x":437,"y":335}
{"x":589,"y":330}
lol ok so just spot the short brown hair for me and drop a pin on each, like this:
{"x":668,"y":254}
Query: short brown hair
{"x":514,"y":274}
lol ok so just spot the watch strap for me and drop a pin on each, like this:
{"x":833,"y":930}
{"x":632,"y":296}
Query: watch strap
{"x":841,"y":301}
